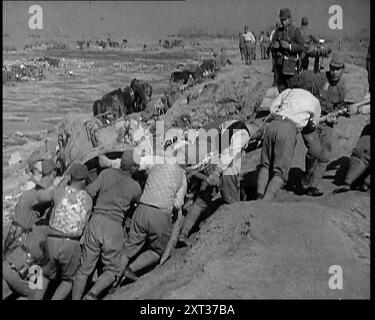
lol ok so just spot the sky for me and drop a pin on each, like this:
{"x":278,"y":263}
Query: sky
{"x":153,"y":20}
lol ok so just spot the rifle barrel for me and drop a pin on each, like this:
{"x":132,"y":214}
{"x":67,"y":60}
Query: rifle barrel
{"x":345,"y":109}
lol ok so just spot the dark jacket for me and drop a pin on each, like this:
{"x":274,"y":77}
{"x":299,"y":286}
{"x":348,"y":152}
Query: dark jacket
{"x":292,"y":35}
{"x":115,"y":190}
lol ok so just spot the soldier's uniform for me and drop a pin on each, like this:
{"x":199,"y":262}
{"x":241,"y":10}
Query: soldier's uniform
{"x":23,"y":237}
{"x":104,"y":235}
{"x":293,"y":109}
{"x":241,"y":45}
{"x":308,"y":38}
{"x":359,"y":167}
{"x":319,"y":143}
{"x":165,"y":189}
{"x":286,"y":56}
{"x":230,"y":143}
{"x":72,"y":207}
{"x":249,"y":44}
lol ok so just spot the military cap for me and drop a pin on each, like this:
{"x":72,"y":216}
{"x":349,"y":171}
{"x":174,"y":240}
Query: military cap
{"x":337,"y":61}
{"x":304,"y":21}
{"x":127,"y":160}
{"x":285,"y":13}
{"x":78,"y":171}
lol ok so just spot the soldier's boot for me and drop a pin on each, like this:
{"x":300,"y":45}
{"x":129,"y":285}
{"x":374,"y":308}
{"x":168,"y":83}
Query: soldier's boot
{"x":62,"y":291}
{"x":317,"y":175}
{"x":262,"y":181}
{"x":356,"y":169}
{"x":104,"y":281}
{"x":79,"y":285}
{"x":190,"y":220}
{"x":273,"y":188}
{"x":146,"y":259}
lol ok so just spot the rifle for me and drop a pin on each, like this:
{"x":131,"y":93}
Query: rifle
{"x":358,"y":107}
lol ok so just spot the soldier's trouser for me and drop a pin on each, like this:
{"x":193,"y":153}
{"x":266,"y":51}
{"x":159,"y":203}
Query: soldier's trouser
{"x":248,"y":53}
{"x":12,"y":282}
{"x":305,"y":63}
{"x":201,"y":203}
{"x":262,"y":51}
{"x":283,"y":81}
{"x":242,"y":52}
{"x":361,"y":158}
{"x":278,"y":147}
{"x":151,"y":225}
{"x":64,"y":255}
{"x":317,"y":161}
{"x":230,"y":188}
{"x":103,"y":237}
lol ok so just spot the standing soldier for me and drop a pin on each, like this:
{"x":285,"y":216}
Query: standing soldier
{"x":329,"y":88}
{"x":262,"y":44}
{"x":308,"y":39}
{"x":115,"y":191}
{"x":293,"y":109}
{"x":253,"y":47}
{"x":273,"y":54}
{"x":241,"y":45}
{"x":249,"y":42}
{"x":287,"y":46}
{"x":72,"y":206}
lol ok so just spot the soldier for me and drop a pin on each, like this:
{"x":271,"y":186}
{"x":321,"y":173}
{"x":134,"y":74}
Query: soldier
{"x":262,"y":44}
{"x":329,"y":88}
{"x":72,"y":206}
{"x":39,"y":168}
{"x":273,"y":54}
{"x":241,"y":45}
{"x":233,"y":138}
{"x":309,"y":39}
{"x":115,"y":191}
{"x":21,"y":246}
{"x":359,"y":166}
{"x":286,"y":46}
{"x":27,"y":211}
{"x":151,"y":224}
{"x":249,"y":42}
{"x":293,"y":110}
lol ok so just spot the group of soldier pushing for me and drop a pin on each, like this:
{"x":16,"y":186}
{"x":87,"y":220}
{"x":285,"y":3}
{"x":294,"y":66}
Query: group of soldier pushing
{"x":72,"y":230}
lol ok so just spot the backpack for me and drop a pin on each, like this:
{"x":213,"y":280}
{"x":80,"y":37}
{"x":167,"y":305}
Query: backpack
{"x":70,"y":214}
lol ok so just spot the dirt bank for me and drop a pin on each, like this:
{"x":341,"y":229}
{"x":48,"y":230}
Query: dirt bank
{"x":250,"y":249}
{"x":279,"y":250}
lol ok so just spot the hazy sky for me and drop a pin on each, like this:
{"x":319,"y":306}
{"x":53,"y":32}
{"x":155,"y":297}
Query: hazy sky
{"x":147,"y":20}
